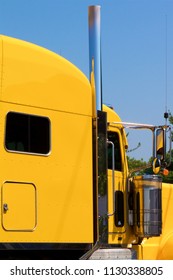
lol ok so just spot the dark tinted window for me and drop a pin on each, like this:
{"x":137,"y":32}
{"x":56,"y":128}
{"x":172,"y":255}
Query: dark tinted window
{"x":114,"y":137}
{"x":27,"y":133}
{"x":119,"y":209}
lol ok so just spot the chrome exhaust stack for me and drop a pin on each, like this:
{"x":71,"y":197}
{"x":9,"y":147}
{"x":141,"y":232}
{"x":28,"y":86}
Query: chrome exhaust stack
{"x":99,"y":128}
{"x":95,"y":51}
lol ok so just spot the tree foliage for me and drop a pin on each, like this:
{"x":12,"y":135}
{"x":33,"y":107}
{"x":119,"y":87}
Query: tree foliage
{"x":171,"y":122}
{"x":135,"y":163}
{"x":169,"y":178}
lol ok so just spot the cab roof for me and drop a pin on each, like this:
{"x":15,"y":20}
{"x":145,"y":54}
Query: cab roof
{"x":34,"y":76}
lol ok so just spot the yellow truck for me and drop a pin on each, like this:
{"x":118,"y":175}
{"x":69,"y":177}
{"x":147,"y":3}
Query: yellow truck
{"x":65,"y":185}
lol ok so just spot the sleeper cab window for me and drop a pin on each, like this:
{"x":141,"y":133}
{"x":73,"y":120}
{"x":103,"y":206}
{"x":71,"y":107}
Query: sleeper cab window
{"x":27,"y":133}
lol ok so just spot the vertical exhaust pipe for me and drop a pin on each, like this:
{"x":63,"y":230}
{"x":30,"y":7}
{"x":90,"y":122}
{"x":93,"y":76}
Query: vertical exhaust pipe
{"x":95,"y":51}
{"x":99,"y":131}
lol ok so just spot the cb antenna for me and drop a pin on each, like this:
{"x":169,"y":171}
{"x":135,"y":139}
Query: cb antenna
{"x":166,"y":72}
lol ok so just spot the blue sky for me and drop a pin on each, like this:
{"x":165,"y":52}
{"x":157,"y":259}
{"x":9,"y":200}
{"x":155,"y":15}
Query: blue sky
{"x":133,"y":49}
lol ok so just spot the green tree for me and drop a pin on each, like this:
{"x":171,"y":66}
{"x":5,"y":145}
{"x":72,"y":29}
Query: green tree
{"x":135,"y":163}
{"x":171,"y":122}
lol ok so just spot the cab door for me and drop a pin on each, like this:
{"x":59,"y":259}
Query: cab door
{"x":114,"y":226}
{"x":116,"y":187}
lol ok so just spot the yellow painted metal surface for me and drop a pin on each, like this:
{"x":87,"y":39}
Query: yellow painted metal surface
{"x":20,"y":201}
{"x":112,"y":116}
{"x":38,"y":82}
{"x":1,"y":65}
{"x":35,"y":76}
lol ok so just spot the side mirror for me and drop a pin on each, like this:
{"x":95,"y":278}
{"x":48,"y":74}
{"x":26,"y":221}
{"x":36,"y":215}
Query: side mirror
{"x":160,"y":144}
{"x":156,"y":165}
{"x":163,"y":138}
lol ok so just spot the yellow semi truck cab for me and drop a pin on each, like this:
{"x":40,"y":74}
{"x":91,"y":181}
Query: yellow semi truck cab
{"x":46,"y":149}
{"x":65,"y":185}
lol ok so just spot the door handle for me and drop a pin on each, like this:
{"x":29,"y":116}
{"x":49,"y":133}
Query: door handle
{"x":5,"y":206}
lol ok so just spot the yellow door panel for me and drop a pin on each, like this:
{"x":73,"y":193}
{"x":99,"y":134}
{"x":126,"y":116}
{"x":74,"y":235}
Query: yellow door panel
{"x":18,"y":206}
